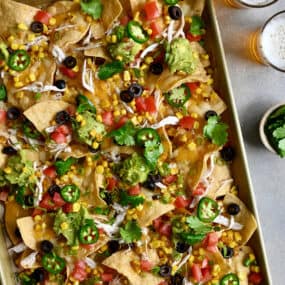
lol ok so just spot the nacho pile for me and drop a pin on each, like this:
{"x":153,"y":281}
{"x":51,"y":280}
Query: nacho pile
{"x":115,"y":159}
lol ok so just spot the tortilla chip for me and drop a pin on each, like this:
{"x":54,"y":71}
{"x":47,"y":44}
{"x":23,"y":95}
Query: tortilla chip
{"x":111,"y":12}
{"x":217,"y":258}
{"x":9,"y":13}
{"x":121,"y":261}
{"x":192,"y":7}
{"x":97,"y":52}
{"x":77,"y":151}
{"x":42,"y":114}
{"x":97,"y":30}
{"x":24,"y":255}
{"x":37,"y":3}
{"x":3,"y":157}
{"x":13,"y":211}
{"x":26,"y":228}
{"x":236,"y":264}
{"x":152,"y":210}
{"x":244,"y":217}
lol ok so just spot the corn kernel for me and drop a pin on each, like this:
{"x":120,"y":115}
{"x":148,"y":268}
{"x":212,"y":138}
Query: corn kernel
{"x":149,"y":31}
{"x":14,"y":46}
{"x":194,"y":115}
{"x":191,"y":146}
{"x":8,"y":170}
{"x":109,"y":39}
{"x":137,"y":16}
{"x":105,"y":164}
{"x":205,"y":56}
{"x":242,"y":276}
{"x":22,"y":27}
{"x":37,"y":218}
{"x":149,"y":60}
{"x":196,"y":125}
{"x":237,"y":236}
{"x":93,"y":133}
{"x":44,"y":226}
{"x":52,"y":21}
{"x":201,"y":251}
{"x":120,"y":58}
{"x":99,"y":118}
{"x":32,"y":77}
{"x":38,"y":228}
{"x":114,"y":39}
{"x":11,"y":39}
{"x":127,"y":75}
{"x":76,"y":68}
{"x":183,"y":138}
{"x":179,"y":115}
{"x":100,"y":169}
{"x":76,"y":207}
{"x":95,"y":145}
{"x":64,"y":226}
{"x":88,"y":18}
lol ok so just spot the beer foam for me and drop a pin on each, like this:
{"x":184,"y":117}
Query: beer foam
{"x":273,"y":41}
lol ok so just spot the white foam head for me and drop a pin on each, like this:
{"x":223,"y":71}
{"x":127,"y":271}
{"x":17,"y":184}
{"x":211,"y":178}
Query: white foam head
{"x":273,"y":41}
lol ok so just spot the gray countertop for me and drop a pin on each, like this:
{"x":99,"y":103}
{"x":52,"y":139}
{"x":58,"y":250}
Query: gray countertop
{"x":256,"y":88}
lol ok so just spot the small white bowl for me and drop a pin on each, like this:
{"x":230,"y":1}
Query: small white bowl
{"x":262,"y":123}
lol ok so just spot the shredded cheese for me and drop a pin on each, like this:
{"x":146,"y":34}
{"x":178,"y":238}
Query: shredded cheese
{"x":17,"y":248}
{"x":170,"y":120}
{"x":39,"y":87}
{"x":64,"y":27}
{"x":87,"y":78}
{"x":58,"y":53}
{"x":229,"y":223}
{"x":36,"y":41}
{"x":30,"y":260}
{"x":98,"y":44}
{"x":90,"y":262}
{"x":160,"y":185}
{"x":128,"y":108}
{"x":87,"y":39}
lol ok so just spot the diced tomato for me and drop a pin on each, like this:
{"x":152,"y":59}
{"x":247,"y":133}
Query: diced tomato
{"x":193,"y":86}
{"x":169,"y":179}
{"x":111,"y":183}
{"x":37,"y":212}
{"x":108,"y":118}
{"x":199,"y":190}
{"x":121,"y":122}
{"x":57,"y":199}
{"x":151,"y":11}
{"x":71,"y":110}
{"x":150,"y":104}
{"x":88,"y":247}
{"x":193,"y":38}
{"x":67,"y":72}
{"x":165,"y":229}
{"x":210,"y":242}
{"x":63,"y":129}
{"x":156,"y":29}
{"x":124,"y":20}
{"x":140,"y":104}
{"x":206,"y":273}
{"x":59,"y":138}
{"x":50,"y":172}
{"x":157,"y":223}
{"x":181,"y":202}
{"x":205,"y":263}
{"x":146,"y":265}
{"x":3,"y":115}
{"x":43,"y":17}
{"x":255,"y":278}
{"x":67,"y":208}
{"x":47,"y":202}
{"x":4,"y":195}
{"x":80,"y":264}
{"x":187,"y":122}
{"x":107,"y":277}
{"x":196,"y":272}
{"x":135,"y":190}
{"x":163,"y":283}
{"x":79,"y":272}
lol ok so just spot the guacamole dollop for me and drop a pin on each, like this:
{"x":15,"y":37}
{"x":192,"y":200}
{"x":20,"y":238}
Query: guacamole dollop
{"x":18,"y":171}
{"x":126,"y":50}
{"x":91,"y":131}
{"x":180,"y":56}
{"x":134,"y":170}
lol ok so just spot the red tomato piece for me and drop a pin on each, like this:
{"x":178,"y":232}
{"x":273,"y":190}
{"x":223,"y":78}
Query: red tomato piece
{"x":181,"y":202}
{"x":3,"y":115}
{"x":169,"y":179}
{"x":140,"y":104}
{"x":124,"y":20}
{"x":165,"y":230}
{"x":187,"y":122}
{"x":4,"y":195}
{"x":205,"y":263}
{"x":50,"y":172}
{"x":121,"y":122}
{"x":71,"y":110}
{"x":108,"y":118}
{"x":80,"y":264}
{"x":193,"y":86}
{"x":150,"y":104}
{"x":79,"y":271}
{"x":156,"y":29}
{"x":67,"y":208}
{"x":43,"y":17}
{"x":193,"y":38}
{"x":47,"y":202}
{"x":255,"y":278}
{"x":37,"y":212}
{"x":206,"y":273}
{"x":63,"y":129}
{"x":107,"y":277}
{"x":163,"y":283}
{"x":111,"y":183}
{"x":157,"y":223}
{"x":67,"y":72}
{"x":199,"y":190}
{"x":135,"y":190}
{"x":59,"y":138}
{"x":57,"y":199}
{"x":196,"y":272}
{"x":146,"y":265}
{"x":210,"y":242}
{"x":151,"y":11}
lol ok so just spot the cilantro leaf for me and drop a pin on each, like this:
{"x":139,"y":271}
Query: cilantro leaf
{"x":131,"y":232}
{"x":107,"y":70}
{"x":128,"y":200}
{"x":152,"y":152}
{"x":279,"y":133}
{"x":124,"y":135}
{"x":63,"y":166}
{"x":192,"y":238}
{"x":281,"y":147}
{"x":216,"y":131}
{"x":197,"y":226}
{"x":93,"y":8}
{"x":196,"y":26}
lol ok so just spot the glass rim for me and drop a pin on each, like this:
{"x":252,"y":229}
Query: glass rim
{"x":256,"y":6}
{"x":261,"y":34}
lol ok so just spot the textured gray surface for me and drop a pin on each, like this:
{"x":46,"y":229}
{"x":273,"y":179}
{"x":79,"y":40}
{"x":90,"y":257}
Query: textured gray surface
{"x":256,"y":88}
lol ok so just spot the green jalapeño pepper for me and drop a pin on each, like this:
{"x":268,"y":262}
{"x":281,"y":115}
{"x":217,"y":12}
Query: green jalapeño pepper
{"x":171,"y":2}
{"x":84,"y":104}
{"x":147,"y":134}
{"x":3,"y":92}
{"x":136,"y":32}
{"x":208,"y":210}
{"x":19,"y":60}
{"x":230,"y":279}
{"x":30,"y":131}
{"x":88,"y":233}
{"x":70,"y":193}
{"x":178,"y":96}
{"x":53,"y":263}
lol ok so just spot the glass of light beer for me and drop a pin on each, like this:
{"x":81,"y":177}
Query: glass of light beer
{"x":250,"y":3}
{"x":268,"y":44}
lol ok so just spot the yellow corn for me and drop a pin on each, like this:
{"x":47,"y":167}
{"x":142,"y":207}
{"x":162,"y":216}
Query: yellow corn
{"x":22,"y":27}
{"x":14,"y":46}
{"x":32,"y":77}
{"x":8,"y":170}
{"x":99,"y":118}
{"x":64,"y":226}
{"x":114,"y":39}
{"x":179,"y":115}
{"x":76,"y":207}
{"x":192,"y":146}
{"x":149,"y":60}
{"x":52,"y":21}
{"x":194,"y":115}
{"x":100,"y":169}
{"x":127,"y":75}
{"x":95,"y":145}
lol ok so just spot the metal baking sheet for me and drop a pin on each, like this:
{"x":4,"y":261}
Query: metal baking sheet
{"x":240,"y":169}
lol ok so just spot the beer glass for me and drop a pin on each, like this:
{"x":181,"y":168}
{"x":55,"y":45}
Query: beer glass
{"x":250,"y":3}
